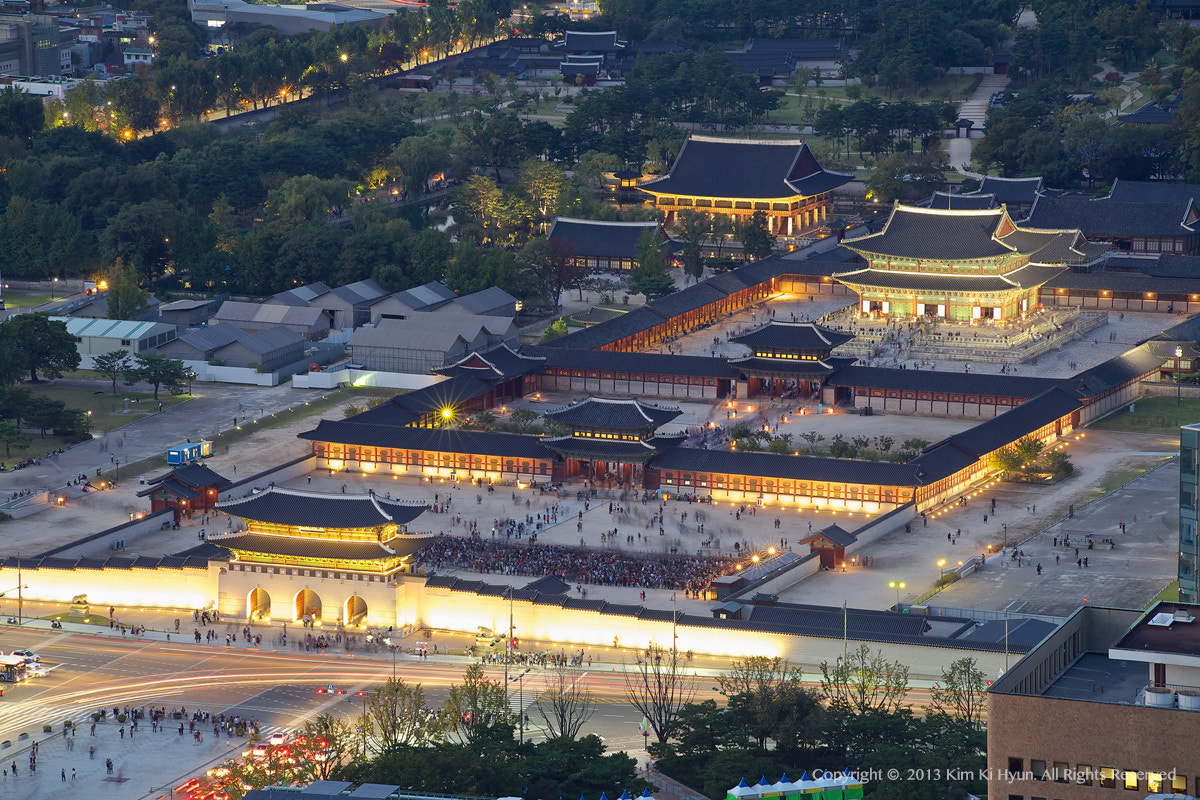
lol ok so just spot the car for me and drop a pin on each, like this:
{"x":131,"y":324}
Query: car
{"x":259,"y":751}
{"x":28,"y":655}
{"x":278,"y":738}
{"x":36,"y":670}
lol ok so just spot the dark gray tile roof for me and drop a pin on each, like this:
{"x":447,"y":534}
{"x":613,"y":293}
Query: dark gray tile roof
{"x":1016,"y":191}
{"x":644,"y":363}
{"x":1104,"y":218}
{"x":443,"y":440}
{"x":1173,"y":266}
{"x":305,"y":547}
{"x":784,"y":366}
{"x":601,"y":239}
{"x":1129,"y":366}
{"x":770,"y":465}
{"x":548,"y":584}
{"x":407,"y":408}
{"x":606,"y":333}
{"x":1149,"y":114}
{"x":834,"y":534}
{"x":1153,"y":192}
{"x":1124,"y":282}
{"x":719,"y":167}
{"x":272,"y":340}
{"x":933,"y":283}
{"x":961,"y":202}
{"x":498,"y":363}
{"x":972,"y":383}
{"x":929,"y":234}
{"x":695,"y":296}
{"x":794,"y":336}
{"x":604,"y":413}
{"x":171,"y":486}
{"x":800,"y":48}
{"x":194,"y":475}
{"x":296,"y":507}
{"x":591,"y":42}
{"x":1010,"y":426}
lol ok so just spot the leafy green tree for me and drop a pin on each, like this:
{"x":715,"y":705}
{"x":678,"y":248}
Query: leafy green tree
{"x":477,"y":705}
{"x":308,"y":198}
{"x":812,"y":437}
{"x":752,"y":232}
{"x":554,"y":330}
{"x":45,"y":413}
{"x":40,"y":344}
{"x":396,"y":715}
{"x":961,"y":693}
{"x":158,"y":371}
{"x":21,"y":114}
{"x":328,"y":742}
{"x":1028,"y":448}
{"x":12,"y":436}
{"x":693,"y":227}
{"x":112,"y":365}
{"x":1006,"y":460}
{"x":650,"y":276}
{"x":419,"y":158}
{"x":864,"y":682}
{"x":126,"y":300}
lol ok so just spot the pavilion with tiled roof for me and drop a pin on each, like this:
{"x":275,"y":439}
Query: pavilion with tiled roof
{"x":737,"y":177}
{"x":790,"y":356}
{"x":290,"y":530}
{"x":959,"y":265}
{"x":510,"y":373}
{"x":186,"y":490}
{"x":610,"y":436}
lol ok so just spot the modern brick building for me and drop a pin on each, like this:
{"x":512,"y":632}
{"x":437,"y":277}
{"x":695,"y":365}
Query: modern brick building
{"x":1106,"y":706}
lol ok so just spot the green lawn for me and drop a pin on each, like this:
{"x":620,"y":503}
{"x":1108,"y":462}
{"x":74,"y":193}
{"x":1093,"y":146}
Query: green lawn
{"x":1169,"y":594}
{"x":1153,"y":415}
{"x":108,"y":409}
{"x":15,"y":299}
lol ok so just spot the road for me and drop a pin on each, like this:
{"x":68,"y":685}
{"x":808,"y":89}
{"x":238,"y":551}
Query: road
{"x":278,"y":688}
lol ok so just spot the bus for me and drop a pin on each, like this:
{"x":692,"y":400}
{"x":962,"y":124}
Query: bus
{"x":12,"y":669}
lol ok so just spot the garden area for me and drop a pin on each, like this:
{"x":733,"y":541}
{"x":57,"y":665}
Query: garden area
{"x":1163,"y":415}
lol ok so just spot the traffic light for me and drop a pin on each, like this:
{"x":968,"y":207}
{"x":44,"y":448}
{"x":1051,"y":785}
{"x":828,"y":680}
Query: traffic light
{"x":341,"y":691}
{"x":362,"y":694}
{"x":320,"y":690}
{"x":516,"y":642}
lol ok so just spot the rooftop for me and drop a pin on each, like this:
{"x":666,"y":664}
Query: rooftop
{"x":794,"y":336}
{"x":600,"y":239}
{"x":603,"y":413}
{"x":112,"y":328}
{"x":745,"y":168}
{"x":312,"y":509}
{"x":1167,"y":628}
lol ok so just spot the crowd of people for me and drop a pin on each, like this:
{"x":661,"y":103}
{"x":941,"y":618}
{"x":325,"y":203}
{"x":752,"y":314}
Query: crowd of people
{"x":575,"y":565}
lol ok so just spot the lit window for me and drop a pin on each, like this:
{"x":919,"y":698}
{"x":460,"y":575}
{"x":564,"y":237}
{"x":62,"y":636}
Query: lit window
{"x":1131,"y":780}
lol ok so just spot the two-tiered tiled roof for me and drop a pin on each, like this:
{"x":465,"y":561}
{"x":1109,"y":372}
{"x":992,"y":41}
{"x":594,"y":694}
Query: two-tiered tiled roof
{"x":794,"y":336}
{"x":750,"y":169}
{"x":312,"y":509}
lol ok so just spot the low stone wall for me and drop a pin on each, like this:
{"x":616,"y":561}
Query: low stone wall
{"x":104,"y":543}
{"x":289,"y":470}
{"x":184,"y":587}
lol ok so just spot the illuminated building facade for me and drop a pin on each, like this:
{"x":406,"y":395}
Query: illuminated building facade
{"x":964,"y":266}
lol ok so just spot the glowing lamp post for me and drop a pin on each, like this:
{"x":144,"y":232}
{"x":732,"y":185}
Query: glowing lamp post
{"x":1178,"y":394}
{"x":897,"y":585}
{"x":941,"y":567}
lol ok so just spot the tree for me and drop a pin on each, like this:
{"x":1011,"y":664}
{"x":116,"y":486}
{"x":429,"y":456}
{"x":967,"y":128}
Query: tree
{"x":961,"y":693}
{"x":650,"y":276}
{"x":862,"y":683}
{"x":396,"y":715}
{"x":659,"y":687}
{"x":419,"y":158}
{"x":1006,"y":460}
{"x":1028,"y":448}
{"x":328,"y":741}
{"x":126,"y":300}
{"x":693,"y":226}
{"x":22,"y":115}
{"x":40,"y":344}
{"x":812,"y":437}
{"x":112,"y":365}
{"x":756,"y":240}
{"x":566,"y":704}
{"x":554,"y":330}
{"x":12,"y":436}
{"x":45,"y":413}
{"x":157,"y":371}
{"x":476,"y":706}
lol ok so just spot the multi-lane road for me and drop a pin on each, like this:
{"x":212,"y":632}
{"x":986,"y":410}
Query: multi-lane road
{"x":277,"y":688}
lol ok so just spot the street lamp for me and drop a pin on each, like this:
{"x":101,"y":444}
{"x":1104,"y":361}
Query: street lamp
{"x":520,"y":679}
{"x":941,"y":567}
{"x":1178,"y":395}
{"x":897,"y":585}
{"x":362,"y":727}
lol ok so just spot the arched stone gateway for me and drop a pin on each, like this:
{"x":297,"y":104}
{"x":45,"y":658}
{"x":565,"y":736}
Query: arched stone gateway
{"x":356,"y":610}
{"x":258,"y":604}
{"x":307,"y":605}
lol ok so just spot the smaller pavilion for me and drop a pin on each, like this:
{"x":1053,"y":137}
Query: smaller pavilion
{"x":509,"y":373}
{"x":355,"y":537}
{"x":790,"y":357}
{"x":611,"y":438}
{"x":185,"y":490}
